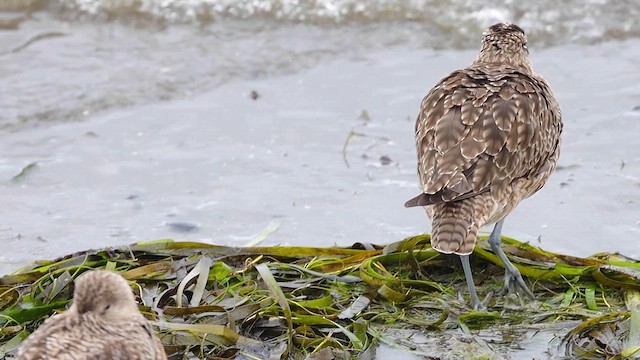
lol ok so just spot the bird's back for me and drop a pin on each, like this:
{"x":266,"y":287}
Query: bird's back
{"x":69,"y":336}
{"x":487,"y":136}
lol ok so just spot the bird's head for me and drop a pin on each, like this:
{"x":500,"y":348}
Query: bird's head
{"x":505,"y":43}
{"x":106,"y":295}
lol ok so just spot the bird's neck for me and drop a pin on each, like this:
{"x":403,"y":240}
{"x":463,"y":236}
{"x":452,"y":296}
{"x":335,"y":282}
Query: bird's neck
{"x":516,"y":61}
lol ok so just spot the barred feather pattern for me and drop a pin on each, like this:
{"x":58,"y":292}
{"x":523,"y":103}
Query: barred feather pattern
{"x":103,"y":323}
{"x":487,"y":137}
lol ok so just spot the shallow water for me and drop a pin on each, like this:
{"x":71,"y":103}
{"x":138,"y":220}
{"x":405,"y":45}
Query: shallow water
{"x":65,"y":60}
{"x":230,"y":165}
{"x":142,"y":125}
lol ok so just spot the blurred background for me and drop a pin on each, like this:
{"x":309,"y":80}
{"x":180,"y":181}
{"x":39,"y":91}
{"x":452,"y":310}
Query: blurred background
{"x":290,"y":121}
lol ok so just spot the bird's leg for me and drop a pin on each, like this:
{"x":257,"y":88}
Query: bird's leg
{"x":512,"y":276}
{"x":466,"y":266}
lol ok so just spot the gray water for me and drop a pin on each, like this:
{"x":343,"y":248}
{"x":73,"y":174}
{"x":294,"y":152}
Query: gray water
{"x":68,"y":59}
{"x":139,"y":118}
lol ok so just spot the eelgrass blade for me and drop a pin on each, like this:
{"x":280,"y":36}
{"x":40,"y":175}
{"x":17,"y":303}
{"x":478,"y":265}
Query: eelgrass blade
{"x":21,"y":316}
{"x":311,"y":294}
{"x":204,"y":329}
{"x":201,"y":270}
{"x":632,"y":300}
{"x":272,"y":227}
{"x":355,"y":308}
{"x":277,"y":293}
{"x":13,"y":343}
{"x":9,"y":296}
{"x":345,"y":278}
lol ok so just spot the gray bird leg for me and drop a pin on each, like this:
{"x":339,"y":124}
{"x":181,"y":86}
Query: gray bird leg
{"x":512,"y":276}
{"x":468,"y":275}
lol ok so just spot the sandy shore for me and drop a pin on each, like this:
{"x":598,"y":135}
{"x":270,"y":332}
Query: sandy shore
{"x":223,"y":166}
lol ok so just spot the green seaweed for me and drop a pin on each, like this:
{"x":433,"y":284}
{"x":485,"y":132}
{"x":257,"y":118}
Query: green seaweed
{"x":315,"y":303}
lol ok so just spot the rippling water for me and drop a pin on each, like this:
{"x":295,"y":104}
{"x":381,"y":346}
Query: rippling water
{"x":67,"y":59}
{"x":453,"y":20}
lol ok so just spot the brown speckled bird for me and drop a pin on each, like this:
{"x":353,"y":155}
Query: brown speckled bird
{"x":103,"y":323}
{"x":487,"y":137}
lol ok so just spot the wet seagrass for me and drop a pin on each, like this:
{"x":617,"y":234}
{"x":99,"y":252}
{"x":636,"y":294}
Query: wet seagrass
{"x":102,"y":323}
{"x":488,"y":136}
{"x":236,"y":311}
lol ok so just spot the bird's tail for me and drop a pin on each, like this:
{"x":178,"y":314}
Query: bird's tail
{"x":454,"y":227}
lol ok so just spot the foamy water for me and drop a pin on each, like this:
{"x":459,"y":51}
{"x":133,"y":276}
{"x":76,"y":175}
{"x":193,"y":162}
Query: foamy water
{"x":454,"y":20}
{"x":67,"y":59}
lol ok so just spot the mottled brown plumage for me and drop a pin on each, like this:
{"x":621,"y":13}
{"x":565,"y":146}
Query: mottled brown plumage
{"x":103,"y":323}
{"x":487,"y":137}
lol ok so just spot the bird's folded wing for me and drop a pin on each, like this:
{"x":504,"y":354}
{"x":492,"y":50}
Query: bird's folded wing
{"x":479,"y":129}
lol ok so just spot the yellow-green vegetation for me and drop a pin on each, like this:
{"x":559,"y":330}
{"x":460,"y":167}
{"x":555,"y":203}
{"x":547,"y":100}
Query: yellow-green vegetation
{"x":221,"y":302}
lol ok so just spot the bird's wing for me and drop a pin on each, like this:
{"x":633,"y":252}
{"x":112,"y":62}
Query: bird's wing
{"x":133,"y":340}
{"x":41,"y":343}
{"x":66,"y":337}
{"x":479,"y":129}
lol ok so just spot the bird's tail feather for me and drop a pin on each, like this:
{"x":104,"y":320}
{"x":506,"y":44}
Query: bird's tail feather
{"x":454,"y":230}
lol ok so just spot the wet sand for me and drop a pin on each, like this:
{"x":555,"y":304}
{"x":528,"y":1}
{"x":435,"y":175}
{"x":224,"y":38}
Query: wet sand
{"x":220,"y":167}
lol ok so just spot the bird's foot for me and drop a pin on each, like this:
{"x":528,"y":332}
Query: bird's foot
{"x":513,"y":281}
{"x":476,"y":304}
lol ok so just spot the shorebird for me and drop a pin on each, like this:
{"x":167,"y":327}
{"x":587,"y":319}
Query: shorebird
{"x":488,"y":136}
{"x":102,"y":323}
